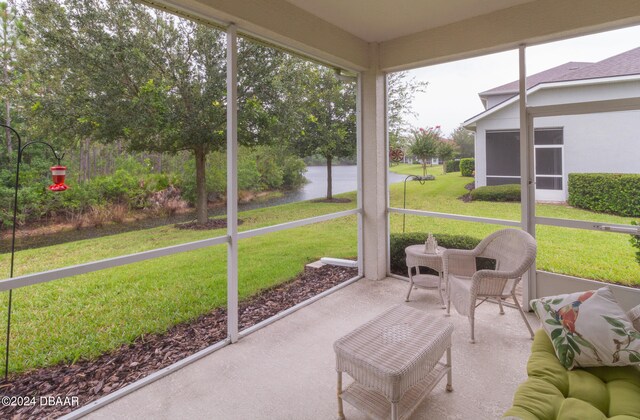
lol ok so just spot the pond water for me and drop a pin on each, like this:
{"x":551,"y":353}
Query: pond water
{"x":344,"y":180}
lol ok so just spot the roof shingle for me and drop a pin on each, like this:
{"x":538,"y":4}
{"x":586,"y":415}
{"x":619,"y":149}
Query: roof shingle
{"x":624,"y":64}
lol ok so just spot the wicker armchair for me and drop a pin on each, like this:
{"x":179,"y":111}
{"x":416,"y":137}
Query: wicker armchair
{"x":513,"y":250}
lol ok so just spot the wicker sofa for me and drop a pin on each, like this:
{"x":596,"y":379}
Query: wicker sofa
{"x":555,"y":393}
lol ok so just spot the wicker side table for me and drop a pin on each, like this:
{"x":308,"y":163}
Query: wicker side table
{"x":416,"y":258}
{"x":395,"y":362}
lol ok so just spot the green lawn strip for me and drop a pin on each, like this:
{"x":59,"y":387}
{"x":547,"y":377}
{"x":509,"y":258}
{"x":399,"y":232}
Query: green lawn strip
{"x":85,"y":316}
{"x":581,"y":253}
{"x":415,"y":169}
{"x":78,"y":252}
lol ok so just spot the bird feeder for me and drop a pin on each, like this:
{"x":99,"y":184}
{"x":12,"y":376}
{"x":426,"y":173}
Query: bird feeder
{"x":58,"y":174}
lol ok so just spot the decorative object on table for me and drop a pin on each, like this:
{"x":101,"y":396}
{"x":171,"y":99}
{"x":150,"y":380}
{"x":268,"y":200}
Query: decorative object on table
{"x":431,"y":245}
{"x":58,"y":174}
{"x":513,"y":250}
{"x":589,"y":329}
{"x":394,"y":360}
{"x":416,"y":258}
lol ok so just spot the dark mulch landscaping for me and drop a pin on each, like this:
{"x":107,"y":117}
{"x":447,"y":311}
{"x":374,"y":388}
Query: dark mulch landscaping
{"x":211,"y":224}
{"x":89,"y":380}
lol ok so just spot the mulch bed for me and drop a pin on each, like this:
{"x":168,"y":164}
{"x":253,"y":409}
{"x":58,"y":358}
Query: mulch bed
{"x":211,"y":224}
{"x":89,"y":380}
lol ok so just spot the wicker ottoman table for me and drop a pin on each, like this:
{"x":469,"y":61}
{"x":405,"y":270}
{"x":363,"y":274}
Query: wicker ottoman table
{"x":395,"y":362}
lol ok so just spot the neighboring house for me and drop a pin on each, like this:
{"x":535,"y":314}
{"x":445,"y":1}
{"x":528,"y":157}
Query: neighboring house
{"x":599,"y":142}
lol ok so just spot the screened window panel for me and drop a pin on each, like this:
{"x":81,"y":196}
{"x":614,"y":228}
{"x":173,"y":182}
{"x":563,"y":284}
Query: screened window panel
{"x":548,"y":136}
{"x":491,"y":180}
{"x":503,"y":153}
{"x":549,"y":161}
{"x":548,"y":183}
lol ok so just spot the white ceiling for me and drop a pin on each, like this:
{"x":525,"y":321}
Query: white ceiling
{"x":382,"y":20}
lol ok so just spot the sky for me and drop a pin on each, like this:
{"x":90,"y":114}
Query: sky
{"x":451,"y":96}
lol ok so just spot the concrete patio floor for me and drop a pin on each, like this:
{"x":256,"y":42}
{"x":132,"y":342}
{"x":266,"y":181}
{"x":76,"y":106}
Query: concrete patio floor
{"x":287,"y":369}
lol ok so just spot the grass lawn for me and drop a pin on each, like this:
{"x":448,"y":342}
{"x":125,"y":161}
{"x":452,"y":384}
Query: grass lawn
{"x":85,"y":316}
{"x":591,"y":254}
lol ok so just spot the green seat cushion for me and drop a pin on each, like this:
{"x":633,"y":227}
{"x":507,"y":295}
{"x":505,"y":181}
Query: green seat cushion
{"x":575,"y":409}
{"x":554,"y":393}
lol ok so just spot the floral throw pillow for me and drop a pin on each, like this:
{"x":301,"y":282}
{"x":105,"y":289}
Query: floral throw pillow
{"x":589,"y":329}
{"x":634,"y":316}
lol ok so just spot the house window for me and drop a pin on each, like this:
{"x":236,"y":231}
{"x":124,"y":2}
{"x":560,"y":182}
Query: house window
{"x":548,"y":159}
{"x":503,"y":157}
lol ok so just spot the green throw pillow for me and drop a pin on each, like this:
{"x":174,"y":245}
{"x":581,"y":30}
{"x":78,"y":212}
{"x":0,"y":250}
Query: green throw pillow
{"x":589,"y":329}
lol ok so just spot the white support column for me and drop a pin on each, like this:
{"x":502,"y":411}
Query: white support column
{"x":527,"y":176}
{"x":374,"y":168}
{"x":359,"y":164}
{"x":232,"y":183}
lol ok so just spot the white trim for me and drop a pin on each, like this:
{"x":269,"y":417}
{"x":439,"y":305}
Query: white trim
{"x":74,"y":270}
{"x":587,"y":225}
{"x":115,"y":395}
{"x":527,"y":172}
{"x":591,"y":107}
{"x":455,"y":217}
{"x":387,"y":193}
{"x":538,"y":111}
{"x":594,"y":81}
{"x":232,"y":183}
{"x":503,"y":176}
{"x":359,"y":168}
{"x":296,"y":223}
{"x":339,"y":262}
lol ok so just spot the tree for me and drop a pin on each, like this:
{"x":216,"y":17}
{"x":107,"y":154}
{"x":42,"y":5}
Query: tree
{"x":181,"y":105}
{"x":445,"y":150}
{"x":12,"y":35}
{"x":464,"y":139}
{"x":401,"y":91}
{"x":158,"y":82}
{"x":327,"y":117}
{"x":425,"y":144}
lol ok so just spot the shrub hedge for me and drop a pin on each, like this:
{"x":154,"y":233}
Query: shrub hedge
{"x":635,"y":242}
{"x":606,"y":193}
{"x":399,"y":241}
{"x":467,"y":166}
{"x":501,"y":193}
{"x":453,"y":166}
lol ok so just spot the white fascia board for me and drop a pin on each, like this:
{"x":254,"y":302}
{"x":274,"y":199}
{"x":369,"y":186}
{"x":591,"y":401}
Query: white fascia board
{"x":551,"y":85}
{"x":530,"y":23}
{"x":279,"y":23}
